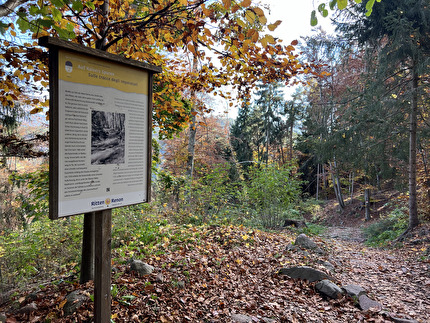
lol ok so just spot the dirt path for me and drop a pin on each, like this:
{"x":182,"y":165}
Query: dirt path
{"x":345,"y":234}
{"x":397,"y":279}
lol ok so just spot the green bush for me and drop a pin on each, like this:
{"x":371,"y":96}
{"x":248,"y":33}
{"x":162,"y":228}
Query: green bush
{"x":34,"y":200}
{"x":387,"y":229}
{"x":44,"y":249}
{"x":271,"y":191}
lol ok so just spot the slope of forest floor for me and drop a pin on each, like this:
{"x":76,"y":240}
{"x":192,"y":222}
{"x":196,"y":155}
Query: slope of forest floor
{"x":210,"y":273}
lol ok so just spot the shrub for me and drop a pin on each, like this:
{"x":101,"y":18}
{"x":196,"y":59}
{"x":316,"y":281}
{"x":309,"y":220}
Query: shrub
{"x":272,"y":190}
{"x":387,"y":229}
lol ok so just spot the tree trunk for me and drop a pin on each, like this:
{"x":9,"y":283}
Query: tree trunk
{"x":193,"y":129}
{"x":413,"y":212}
{"x":88,"y":236}
{"x":336,"y":185}
{"x":351,"y":191}
{"x":291,"y":140}
{"x":367,"y":204}
{"x":191,"y":145}
{"x":318,"y":181}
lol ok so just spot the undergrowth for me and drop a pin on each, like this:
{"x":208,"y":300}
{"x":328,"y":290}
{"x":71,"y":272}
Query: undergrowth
{"x":387,"y":229}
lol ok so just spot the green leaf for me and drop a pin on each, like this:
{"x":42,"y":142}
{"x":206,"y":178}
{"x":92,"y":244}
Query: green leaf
{"x":314,"y":20}
{"x":70,"y":27}
{"x":322,"y":10}
{"x":57,"y":3}
{"x":341,"y":4}
{"x":90,"y":5}
{"x":23,"y":24}
{"x":33,"y":10}
{"x":63,"y":33}
{"x":45,"y":22}
{"x":369,"y":5}
{"x":56,"y":14}
{"x":78,"y":5}
{"x":3,"y":27}
{"x":360,"y":1}
{"x":332,"y":4}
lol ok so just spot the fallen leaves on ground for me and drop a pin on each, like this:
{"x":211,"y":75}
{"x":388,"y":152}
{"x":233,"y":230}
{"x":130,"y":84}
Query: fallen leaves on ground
{"x":218,"y":271}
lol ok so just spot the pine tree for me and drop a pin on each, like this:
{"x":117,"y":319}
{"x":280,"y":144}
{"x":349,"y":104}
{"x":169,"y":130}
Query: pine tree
{"x":401,"y":30}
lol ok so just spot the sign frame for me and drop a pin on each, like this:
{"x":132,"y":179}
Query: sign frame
{"x":58,"y":47}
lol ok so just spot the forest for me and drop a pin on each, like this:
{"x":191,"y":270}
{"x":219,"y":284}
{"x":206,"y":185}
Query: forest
{"x":311,"y":206}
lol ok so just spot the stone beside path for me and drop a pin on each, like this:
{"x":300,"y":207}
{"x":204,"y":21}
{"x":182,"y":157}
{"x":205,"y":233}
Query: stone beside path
{"x":325,"y":284}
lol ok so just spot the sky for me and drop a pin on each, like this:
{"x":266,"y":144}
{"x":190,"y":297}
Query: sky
{"x":295,"y":16}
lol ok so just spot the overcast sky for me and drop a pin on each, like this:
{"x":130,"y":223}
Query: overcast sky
{"x":295,"y":16}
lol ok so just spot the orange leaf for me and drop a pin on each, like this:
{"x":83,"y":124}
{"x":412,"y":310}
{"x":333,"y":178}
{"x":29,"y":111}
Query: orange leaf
{"x":61,"y":305}
{"x":259,"y":12}
{"x":245,"y":3}
{"x":226,"y":4}
{"x":191,"y":48}
{"x":36,"y":110}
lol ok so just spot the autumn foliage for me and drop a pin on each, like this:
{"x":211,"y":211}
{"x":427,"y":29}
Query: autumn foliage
{"x":230,"y":41}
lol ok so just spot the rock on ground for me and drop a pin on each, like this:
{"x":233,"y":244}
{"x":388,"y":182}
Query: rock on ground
{"x":304,"y":272}
{"x":329,"y":289}
{"x":140,"y":267}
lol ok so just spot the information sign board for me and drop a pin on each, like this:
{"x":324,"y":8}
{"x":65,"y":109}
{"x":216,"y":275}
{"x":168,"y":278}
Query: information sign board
{"x":100,"y":130}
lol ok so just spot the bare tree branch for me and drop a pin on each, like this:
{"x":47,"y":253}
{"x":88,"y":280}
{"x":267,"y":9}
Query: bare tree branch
{"x":9,"y":6}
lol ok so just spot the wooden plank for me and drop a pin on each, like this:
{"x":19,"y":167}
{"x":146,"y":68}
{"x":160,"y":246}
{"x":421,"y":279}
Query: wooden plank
{"x":52,"y":42}
{"x":53,"y":136}
{"x":87,"y":256}
{"x":102,"y":275}
{"x":149,"y":134}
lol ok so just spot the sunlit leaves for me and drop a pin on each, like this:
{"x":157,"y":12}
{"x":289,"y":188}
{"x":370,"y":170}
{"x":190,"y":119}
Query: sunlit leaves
{"x":169,"y":34}
{"x":341,"y":4}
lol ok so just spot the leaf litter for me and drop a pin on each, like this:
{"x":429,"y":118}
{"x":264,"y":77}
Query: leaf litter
{"x":218,"y":271}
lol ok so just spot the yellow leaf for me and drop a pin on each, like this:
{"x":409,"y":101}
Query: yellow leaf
{"x":263,"y":41}
{"x":263,"y":19}
{"x":273,"y":26}
{"x":250,"y":16}
{"x":241,"y":23}
{"x":270,"y":39}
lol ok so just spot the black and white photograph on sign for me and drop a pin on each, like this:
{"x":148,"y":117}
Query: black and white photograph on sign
{"x":107,"y":138}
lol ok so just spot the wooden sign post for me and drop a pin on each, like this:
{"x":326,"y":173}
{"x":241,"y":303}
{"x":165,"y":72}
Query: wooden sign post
{"x":102,"y":266}
{"x":99,"y":144}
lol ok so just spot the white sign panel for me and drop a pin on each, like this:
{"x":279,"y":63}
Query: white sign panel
{"x":103,"y":120}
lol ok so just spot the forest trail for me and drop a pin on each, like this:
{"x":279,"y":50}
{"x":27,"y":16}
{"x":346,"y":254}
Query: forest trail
{"x":396,"y":278}
{"x":345,"y":234}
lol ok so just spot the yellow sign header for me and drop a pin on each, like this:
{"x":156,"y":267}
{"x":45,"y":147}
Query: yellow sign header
{"x":83,"y":69}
